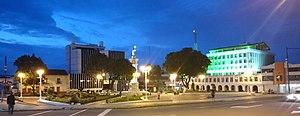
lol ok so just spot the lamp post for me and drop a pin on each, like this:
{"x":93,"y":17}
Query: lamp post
{"x":100,"y":77}
{"x":146,"y":70}
{"x":40,"y":72}
{"x":21,"y":75}
{"x":173,"y":78}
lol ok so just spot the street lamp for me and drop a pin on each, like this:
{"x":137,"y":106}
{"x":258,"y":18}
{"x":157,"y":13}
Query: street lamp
{"x":21,"y":75}
{"x":146,"y":70}
{"x":100,"y":77}
{"x":173,"y":78}
{"x":40,"y":72}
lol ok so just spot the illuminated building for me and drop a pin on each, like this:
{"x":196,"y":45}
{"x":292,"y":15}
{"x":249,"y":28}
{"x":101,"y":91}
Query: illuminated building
{"x":237,"y":60}
{"x":236,"y":68}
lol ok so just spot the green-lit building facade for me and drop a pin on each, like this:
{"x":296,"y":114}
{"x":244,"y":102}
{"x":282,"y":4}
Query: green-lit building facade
{"x":238,"y":60}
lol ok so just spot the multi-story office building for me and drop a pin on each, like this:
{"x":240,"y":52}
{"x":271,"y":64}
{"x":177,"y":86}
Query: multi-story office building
{"x":77,"y":57}
{"x":236,"y":68}
{"x":277,"y":74}
{"x":240,"y":59}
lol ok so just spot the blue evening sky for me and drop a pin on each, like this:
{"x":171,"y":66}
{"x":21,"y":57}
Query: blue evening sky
{"x":156,"y":27}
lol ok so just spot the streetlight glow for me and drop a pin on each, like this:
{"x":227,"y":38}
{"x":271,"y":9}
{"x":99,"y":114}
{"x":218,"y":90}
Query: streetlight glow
{"x":99,"y":76}
{"x":40,"y":72}
{"x":173,"y":78}
{"x":146,"y":70}
{"x":201,"y":77}
{"x":21,"y":75}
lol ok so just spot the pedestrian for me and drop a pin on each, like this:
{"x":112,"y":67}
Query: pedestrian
{"x":213,"y":93}
{"x":158,"y":95}
{"x":11,"y":102}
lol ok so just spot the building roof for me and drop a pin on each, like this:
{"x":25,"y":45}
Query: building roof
{"x":56,"y":72}
{"x":259,"y":46}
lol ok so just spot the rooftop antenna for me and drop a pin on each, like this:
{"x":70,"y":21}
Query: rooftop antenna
{"x":195,"y":40}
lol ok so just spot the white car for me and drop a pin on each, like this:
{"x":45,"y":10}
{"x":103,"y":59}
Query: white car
{"x":294,"y":97}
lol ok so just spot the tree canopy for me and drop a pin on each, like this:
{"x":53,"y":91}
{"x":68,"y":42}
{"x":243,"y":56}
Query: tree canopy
{"x":186,"y":63}
{"x":29,"y":65}
{"x":118,"y":69}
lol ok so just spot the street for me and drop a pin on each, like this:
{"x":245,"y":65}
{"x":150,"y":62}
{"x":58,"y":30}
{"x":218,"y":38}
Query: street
{"x":259,"y":107}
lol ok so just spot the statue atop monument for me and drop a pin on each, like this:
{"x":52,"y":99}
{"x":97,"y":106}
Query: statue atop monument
{"x":133,"y":52}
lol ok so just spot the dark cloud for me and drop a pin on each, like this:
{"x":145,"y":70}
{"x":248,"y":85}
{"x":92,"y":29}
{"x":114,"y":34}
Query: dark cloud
{"x":30,"y":19}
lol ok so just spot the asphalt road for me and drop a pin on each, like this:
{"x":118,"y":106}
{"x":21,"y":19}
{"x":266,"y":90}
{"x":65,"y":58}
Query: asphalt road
{"x":253,"y":107}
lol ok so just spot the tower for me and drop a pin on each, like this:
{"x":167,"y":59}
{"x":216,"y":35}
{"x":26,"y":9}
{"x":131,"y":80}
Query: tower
{"x":195,"y":40}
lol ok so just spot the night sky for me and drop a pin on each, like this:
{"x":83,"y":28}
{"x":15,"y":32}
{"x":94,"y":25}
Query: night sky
{"x":156,"y":27}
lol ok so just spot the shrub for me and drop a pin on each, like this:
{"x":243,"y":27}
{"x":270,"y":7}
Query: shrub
{"x":74,"y":99}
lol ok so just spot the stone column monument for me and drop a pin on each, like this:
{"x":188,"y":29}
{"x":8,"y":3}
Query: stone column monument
{"x":134,"y":84}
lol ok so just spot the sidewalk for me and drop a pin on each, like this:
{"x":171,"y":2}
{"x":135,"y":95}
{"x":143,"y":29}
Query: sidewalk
{"x":166,"y":99}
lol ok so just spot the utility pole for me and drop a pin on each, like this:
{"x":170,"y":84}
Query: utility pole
{"x":5,"y":69}
{"x":287,"y":67}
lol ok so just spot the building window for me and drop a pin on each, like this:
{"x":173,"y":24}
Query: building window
{"x":222,"y":79}
{"x":58,"y":81}
{"x":231,"y":79}
{"x":226,"y":79}
{"x":241,"y":79}
{"x":245,"y":79}
{"x":218,"y":79}
{"x":236,"y":79}
{"x":255,"y":78}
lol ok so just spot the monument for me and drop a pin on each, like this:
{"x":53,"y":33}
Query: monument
{"x":134,"y":84}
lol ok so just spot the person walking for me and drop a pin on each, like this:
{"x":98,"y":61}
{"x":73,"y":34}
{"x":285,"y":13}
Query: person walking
{"x":158,"y":95}
{"x":11,"y":102}
{"x":213,"y":92}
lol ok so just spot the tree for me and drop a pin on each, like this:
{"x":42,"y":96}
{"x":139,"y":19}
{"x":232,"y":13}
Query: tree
{"x":156,"y":78}
{"x":120,"y":69}
{"x":29,"y":65}
{"x":97,"y":64}
{"x":186,"y":63}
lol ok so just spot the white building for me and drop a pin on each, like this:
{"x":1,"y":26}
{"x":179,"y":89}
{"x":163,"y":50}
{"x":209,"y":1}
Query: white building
{"x":57,"y":80}
{"x":236,"y":68}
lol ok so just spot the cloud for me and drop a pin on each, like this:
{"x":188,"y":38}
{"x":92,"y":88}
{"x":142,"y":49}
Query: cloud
{"x":30,"y":19}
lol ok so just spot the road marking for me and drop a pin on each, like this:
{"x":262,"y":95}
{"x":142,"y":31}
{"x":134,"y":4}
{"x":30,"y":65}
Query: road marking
{"x":104,"y":112}
{"x":246,"y":106}
{"x":40,"y":113}
{"x":78,"y":112}
{"x":295,"y":112}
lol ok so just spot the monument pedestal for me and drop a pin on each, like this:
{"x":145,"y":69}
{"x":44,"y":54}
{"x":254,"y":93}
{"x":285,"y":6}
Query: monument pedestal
{"x":134,"y":89}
